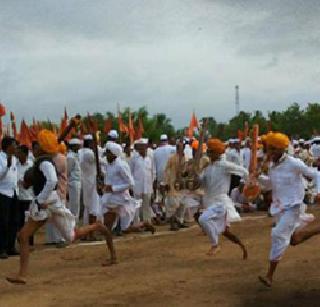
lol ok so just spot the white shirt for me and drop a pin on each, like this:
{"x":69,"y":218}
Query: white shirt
{"x":161,"y":157}
{"x":8,"y":176}
{"x":246,"y":156}
{"x":88,"y":167}
{"x":73,"y":167}
{"x":120,"y":178}
{"x":49,"y":172}
{"x":286,"y":181}
{"x":143,"y":172}
{"x":215,"y":179}
{"x":24,"y":194}
{"x":187,"y":152}
{"x":233,"y":155}
{"x":315,"y":150}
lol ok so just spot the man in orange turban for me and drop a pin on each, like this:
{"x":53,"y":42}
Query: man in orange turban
{"x":48,"y":205}
{"x":285,"y":178}
{"x":220,"y":211}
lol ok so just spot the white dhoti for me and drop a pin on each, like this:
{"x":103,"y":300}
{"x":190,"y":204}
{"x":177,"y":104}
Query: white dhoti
{"x":74,"y":189}
{"x":174,"y":206}
{"x":126,"y":211}
{"x":58,"y":215}
{"x":145,"y":213}
{"x":219,"y":214}
{"x":91,"y":199}
{"x":287,"y":222}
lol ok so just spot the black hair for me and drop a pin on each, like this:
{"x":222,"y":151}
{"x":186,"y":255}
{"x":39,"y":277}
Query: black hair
{"x":87,"y":143}
{"x":6,"y":142}
{"x":24,"y":149}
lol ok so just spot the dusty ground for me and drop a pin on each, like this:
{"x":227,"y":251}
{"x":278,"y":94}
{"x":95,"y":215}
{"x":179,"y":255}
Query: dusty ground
{"x":168,"y":270}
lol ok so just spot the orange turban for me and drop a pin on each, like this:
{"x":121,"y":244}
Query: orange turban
{"x":62,"y":148}
{"x":263,"y":138}
{"x":216,"y":145}
{"x":277,"y":140}
{"x":48,"y":141}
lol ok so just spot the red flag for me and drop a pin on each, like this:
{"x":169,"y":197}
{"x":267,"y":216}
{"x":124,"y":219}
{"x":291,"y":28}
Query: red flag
{"x":131,"y":129}
{"x":107,"y":125}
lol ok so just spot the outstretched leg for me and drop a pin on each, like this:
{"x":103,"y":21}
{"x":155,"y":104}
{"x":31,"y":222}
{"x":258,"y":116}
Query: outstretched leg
{"x":233,"y":238}
{"x":99,"y":227}
{"x":26,"y":232}
{"x":305,"y":233}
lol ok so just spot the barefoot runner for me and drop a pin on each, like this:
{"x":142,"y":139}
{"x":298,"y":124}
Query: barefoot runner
{"x":285,"y":178}
{"x":220,"y":211}
{"x":48,"y":206}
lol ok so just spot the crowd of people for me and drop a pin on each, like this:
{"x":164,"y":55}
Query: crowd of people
{"x":79,"y":188}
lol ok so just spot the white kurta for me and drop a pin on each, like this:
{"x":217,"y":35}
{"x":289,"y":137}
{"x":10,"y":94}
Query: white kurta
{"x":286,"y":181}
{"x":220,"y":210}
{"x":88,"y":181}
{"x":143,"y":172}
{"x":246,"y":156}
{"x":161,"y":157}
{"x":74,"y":183}
{"x":120,"y":178}
{"x":233,"y":156}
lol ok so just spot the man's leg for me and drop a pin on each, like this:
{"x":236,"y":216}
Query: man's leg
{"x":305,"y":233}
{"x":13,"y":226}
{"x":208,"y":222}
{"x":233,"y":238}
{"x":28,"y":230}
{"x":4,"y":226}
{"x":109,"y":218}
{"x":280,"y":240}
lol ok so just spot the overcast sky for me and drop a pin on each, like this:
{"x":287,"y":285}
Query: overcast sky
{"x":171,"y":55}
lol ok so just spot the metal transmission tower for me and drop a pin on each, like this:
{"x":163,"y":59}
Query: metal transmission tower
{"x":237,"y":100}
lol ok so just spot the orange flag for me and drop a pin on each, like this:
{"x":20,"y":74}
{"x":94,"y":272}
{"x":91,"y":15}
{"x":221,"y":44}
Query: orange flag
{"x":193,"y":125}
{"x":140,"y":130}
{"x":131,"y":129}
{"x":25,"y":138}
{"x":122,"y":127}
{"x":246,"y":129}
{"x":107,"y":125}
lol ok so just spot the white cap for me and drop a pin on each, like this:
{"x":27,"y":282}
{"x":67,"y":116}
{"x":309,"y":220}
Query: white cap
{"x":301,"y":140}
{"x":163,"y":137}
{"x":142,"y":141}
{"x":113,"y":134}
{"x":307,"y":142}
{"x":88,"y":137}
{"x":316,"y":139}
{"x":75,"y":141}
{"x":295,"y":142}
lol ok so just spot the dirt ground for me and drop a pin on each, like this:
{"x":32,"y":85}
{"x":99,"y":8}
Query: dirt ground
{"x":168,"y":270}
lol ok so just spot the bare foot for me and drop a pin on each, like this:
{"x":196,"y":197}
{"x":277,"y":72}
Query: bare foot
{"x":213,"y":250}
{"x":18,"y":280}
{"x":109,"y":262}
{"x":265,"y":281}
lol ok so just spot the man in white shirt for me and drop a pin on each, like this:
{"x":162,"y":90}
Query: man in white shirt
{"x":143,"y":172}
{"x":89,"y":180}
{"x":25,"y":196}
{"x":219,"y":208}
{"x":74,"y":177}
{"x":246,"y":154}
{"x":285,"y":178}
{"x":8,"y":206}
{"x":161,"y":157}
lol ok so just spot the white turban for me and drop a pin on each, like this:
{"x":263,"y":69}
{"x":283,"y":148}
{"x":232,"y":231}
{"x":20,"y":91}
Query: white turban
{"x":115,"y":148}
{"x":75,"y":141}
